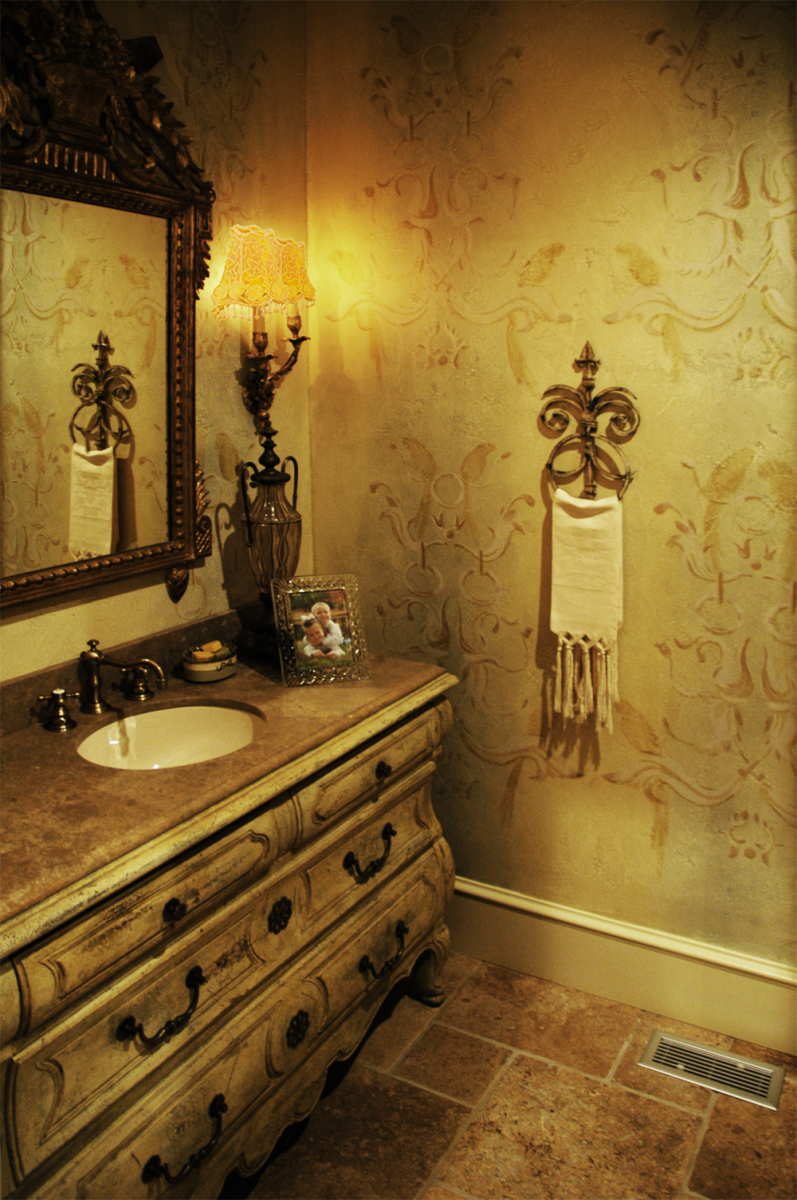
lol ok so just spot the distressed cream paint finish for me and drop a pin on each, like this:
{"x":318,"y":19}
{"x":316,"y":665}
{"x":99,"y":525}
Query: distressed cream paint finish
{"x":489,"y":185}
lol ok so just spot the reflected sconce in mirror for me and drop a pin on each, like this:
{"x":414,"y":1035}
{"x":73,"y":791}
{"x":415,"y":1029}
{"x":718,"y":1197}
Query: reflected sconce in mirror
{"x":265,"y":274}
{"x":100,"y":388}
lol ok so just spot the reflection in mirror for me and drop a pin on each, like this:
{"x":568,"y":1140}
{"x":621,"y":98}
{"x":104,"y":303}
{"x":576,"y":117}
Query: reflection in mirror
{"x":70,"y":270}
{"x":106,"y":223}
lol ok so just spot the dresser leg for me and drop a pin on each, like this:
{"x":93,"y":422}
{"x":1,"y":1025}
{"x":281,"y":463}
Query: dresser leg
{"x":427,"y":985}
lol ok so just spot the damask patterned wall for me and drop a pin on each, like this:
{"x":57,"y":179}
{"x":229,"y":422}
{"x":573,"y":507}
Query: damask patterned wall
{"x":491,"y":184}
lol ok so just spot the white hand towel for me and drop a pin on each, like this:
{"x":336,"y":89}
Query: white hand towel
{"x":92,"y":503}
{"x":586,"y":603}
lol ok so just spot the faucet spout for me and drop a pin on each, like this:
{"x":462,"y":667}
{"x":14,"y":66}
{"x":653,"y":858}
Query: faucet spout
{"x":134,"y":678}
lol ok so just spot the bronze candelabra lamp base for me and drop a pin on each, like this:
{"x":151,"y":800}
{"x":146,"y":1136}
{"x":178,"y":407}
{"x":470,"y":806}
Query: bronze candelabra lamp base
{"x":273,"y":525}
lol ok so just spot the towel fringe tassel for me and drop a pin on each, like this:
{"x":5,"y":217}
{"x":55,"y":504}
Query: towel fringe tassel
{"x":586,"y":679}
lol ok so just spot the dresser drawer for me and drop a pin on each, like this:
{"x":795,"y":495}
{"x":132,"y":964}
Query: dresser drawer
{"x":69,"y":965}
{"x":61,"y":1081}
{"x":146,"y":1024}
{"x":362,"y":774}
{"x":321,"y":1008}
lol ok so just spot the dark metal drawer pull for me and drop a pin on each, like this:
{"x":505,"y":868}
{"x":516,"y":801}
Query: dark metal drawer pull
{"x":174,"y":910}
{"x":366,"y":964}
{"x":280,"y":915}
{"x":130,"y":1027}
{"x":383,"y":769}
{"x":154,"y":1168}
{"x":361,"y":874}
{"x":297,"y":1029}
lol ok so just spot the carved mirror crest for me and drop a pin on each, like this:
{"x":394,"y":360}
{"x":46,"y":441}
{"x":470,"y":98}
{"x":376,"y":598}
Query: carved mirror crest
{"x":106,"y":225}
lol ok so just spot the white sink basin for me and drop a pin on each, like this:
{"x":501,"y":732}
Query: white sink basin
{"x":171,"y":737}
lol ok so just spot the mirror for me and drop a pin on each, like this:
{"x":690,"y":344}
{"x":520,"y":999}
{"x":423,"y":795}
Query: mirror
{"x":69,"y":272}
{"x":106,"y":224}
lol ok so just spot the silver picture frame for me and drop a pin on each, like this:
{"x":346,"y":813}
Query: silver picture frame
{"x":319,"y":630}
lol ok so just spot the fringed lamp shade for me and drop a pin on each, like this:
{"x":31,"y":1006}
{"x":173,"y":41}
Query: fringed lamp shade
{"x":262,"y":274}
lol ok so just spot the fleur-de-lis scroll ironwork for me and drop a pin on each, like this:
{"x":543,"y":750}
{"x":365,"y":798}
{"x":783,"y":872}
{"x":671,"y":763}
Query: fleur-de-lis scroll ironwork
{"x":600,"y":458}
{"x":100,"y":388}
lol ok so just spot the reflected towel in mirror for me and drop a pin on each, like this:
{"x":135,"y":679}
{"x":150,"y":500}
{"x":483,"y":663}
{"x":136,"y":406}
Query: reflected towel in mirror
{"x":92,"y":510}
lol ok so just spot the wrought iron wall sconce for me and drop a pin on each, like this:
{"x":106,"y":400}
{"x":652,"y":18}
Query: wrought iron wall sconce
{"x":100,"y":388}
{"x":265,"y":274}
{"x":600,"y":458}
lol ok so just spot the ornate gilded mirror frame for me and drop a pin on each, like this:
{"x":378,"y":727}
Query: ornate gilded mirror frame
{"x":80,"y":122}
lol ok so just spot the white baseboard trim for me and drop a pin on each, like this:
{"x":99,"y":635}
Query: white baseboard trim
{"x":748,"y":998}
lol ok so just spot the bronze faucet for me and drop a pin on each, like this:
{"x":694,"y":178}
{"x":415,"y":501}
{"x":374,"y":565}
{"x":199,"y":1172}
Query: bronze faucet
{"x":134,"y":679}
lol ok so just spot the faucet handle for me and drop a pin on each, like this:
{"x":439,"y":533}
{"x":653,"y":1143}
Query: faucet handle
{"x":135,"y":685}
{"x":59,"y":720}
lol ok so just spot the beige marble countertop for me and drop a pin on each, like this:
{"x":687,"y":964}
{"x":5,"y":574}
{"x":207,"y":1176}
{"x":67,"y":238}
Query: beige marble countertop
{"x":72,"y":832}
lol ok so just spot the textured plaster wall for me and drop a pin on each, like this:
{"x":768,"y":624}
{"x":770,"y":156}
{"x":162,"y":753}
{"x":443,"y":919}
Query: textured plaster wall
{"x":235,"y":72}
{"x":489,"y":186}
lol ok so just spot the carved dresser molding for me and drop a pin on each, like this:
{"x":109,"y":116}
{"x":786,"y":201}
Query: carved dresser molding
{"x":166,"y":1031}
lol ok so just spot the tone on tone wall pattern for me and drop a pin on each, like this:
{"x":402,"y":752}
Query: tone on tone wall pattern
{"x":717,"y":300}
{"x":446,"y":190}
{"x":733,"y":180}
{"x":68,"y":273}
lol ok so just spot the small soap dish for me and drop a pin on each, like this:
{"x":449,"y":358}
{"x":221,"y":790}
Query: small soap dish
{"x":210,"y":663}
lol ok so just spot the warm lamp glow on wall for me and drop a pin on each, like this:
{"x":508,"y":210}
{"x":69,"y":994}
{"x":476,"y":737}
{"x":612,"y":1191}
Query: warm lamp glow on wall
{"x":265,"y":274}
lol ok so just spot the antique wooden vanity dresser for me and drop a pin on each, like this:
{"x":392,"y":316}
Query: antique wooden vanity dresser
{"x":172,"y":1004}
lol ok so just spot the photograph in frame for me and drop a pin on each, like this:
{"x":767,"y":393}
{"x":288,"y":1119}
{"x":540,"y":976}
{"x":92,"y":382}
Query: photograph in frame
{"x":319,"y":629}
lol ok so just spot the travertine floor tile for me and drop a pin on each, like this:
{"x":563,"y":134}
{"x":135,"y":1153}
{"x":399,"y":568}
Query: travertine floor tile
{"x":547,"y":1133}
{"x":538,"y":1131}
{"x":665,"y":1087}
{"x":374,"y":1136}
{"x":458,"y":968}
{"x":452,"y":1062}
{"x":748,"y":1152}
{"x":390,"y":1038}
{"x":543,"y":1018}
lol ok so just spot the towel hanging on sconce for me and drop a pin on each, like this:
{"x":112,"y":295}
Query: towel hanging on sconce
{"x":587,"y":554}
{"x":586,"y":604}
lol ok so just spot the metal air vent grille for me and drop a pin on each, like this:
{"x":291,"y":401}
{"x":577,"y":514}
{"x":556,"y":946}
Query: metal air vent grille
{"x":744,"y":1078}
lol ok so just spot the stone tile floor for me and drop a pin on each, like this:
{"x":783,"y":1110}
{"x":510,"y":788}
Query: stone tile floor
{"x":520,"y":1089}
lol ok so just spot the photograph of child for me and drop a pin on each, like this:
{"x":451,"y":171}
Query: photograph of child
{"x":333,"y":637}
{"x":321,"y":634}
{"x":314,"y":642}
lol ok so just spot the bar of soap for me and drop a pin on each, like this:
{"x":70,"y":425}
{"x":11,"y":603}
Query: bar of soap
{"x":202,"y":655}
{"x":212,"y":647}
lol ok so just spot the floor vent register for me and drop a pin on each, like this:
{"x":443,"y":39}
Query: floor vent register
{"x":744,"y":1078}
